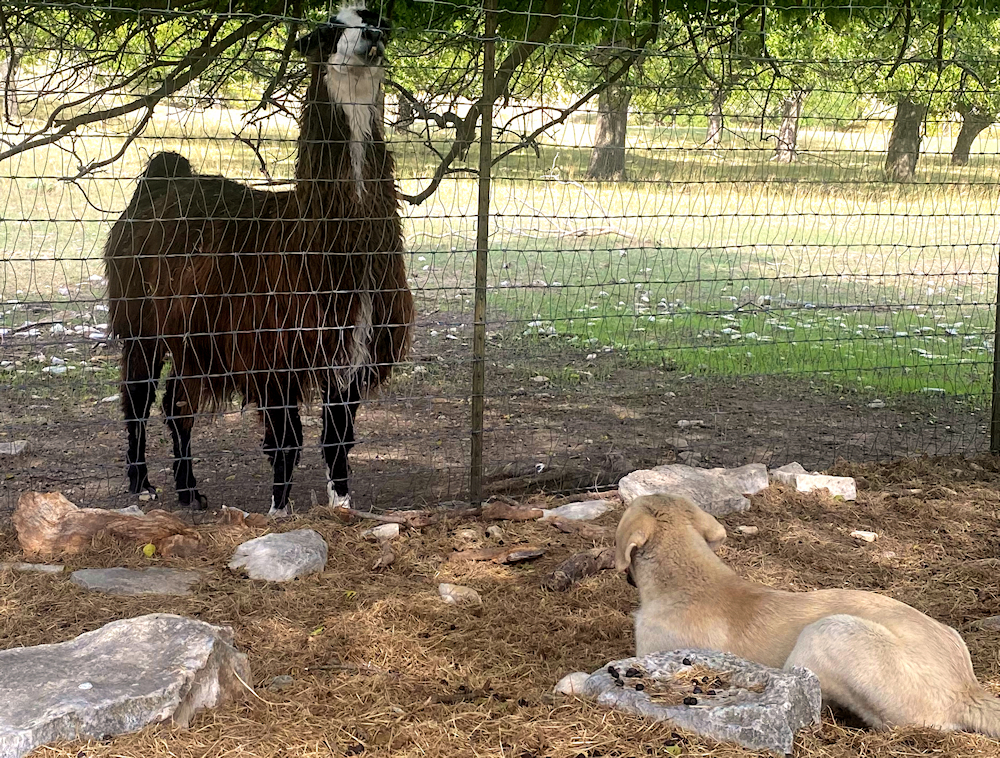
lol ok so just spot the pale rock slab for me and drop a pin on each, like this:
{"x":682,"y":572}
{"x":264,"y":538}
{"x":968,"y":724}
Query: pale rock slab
{"x":36,"y":568}
{"x":572,"y":684}
{"x":381,"y":532}
{"x":282,"y":557}
{"x":765,"y":720}
{"x":116,"y":680}
{"x":17,"y":447}
{"x":717,"y":491}
{"x":456,"y":594}
{"x":123,"y":581}
{"x":581,"y":510}
{"x":793,"y":474}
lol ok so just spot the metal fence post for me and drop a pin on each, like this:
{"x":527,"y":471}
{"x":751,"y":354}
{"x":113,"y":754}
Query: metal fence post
{"x":995,"y":404}
{"x":482,"y":254}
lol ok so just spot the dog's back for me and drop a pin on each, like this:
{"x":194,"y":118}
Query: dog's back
{"x":880,"y":658}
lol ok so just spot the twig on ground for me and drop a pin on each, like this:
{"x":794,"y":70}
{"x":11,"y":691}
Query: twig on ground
{"x":578,"y":567}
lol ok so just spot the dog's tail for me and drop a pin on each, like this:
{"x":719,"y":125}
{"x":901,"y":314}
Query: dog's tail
{"x":982,"y":713}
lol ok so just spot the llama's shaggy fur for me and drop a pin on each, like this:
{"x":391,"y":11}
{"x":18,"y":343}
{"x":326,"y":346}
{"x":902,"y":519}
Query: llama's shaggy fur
{"x":270,"y":296}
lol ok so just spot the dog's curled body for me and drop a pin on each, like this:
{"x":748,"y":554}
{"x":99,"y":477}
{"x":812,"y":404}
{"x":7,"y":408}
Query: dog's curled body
{"x":884,"y":661}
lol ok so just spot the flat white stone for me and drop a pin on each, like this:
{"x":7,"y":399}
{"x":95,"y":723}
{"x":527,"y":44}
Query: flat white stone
{"x":39,"y":568}
{"x":17,"y":447}
{"x":116,"y":680}
{"x":793,"y":474}
{"x":839,"y":486}
{"x":381,"y":532}
{"x":860,"y":534}
{"x":123,"y":581}
{"x":582,"y":510}
{"x":282,"y":557}
{"x":572,"y":684}
{"x":787,"y":473}
{"x":456,"y":594}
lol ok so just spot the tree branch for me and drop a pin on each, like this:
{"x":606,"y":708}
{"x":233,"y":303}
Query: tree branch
{"x":195,"y":63}
{"x":465,"y":132}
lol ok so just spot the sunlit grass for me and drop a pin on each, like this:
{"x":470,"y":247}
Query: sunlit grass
{"x":818,"y":268}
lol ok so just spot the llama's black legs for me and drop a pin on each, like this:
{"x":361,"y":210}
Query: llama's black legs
{"x":179,"y":409}
{"x":339,"y":410}
{"x":283,"y":446}
{"x":142,"y":362}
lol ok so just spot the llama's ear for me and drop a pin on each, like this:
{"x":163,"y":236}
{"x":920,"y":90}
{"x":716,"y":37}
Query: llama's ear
{"x":634,"y":530}
{"x":322,"y":39}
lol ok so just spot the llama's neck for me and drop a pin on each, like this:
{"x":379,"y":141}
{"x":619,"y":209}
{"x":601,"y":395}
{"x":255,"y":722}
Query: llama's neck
{"x":340,"y":124}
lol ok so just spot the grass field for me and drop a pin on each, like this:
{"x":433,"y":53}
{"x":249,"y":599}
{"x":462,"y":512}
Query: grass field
{"x":713,"y":262}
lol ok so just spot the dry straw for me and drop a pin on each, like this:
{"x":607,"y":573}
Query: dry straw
{"x":382,"y":667}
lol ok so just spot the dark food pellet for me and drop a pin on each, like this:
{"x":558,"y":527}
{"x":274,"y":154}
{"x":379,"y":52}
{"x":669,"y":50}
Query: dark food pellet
{"x":640,"y":687}
{"x":632,"y":673}
{"x":704,"y":680}
{"x":711,"y":692}
{"x":686,"y":662}
{"x":697,"y":690}
{"x":613,"y":671}
{"x":690,"y":701}
{"x":619,"y":683}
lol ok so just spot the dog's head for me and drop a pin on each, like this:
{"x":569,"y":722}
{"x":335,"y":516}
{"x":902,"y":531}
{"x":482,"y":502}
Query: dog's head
{"x":666,"y":525}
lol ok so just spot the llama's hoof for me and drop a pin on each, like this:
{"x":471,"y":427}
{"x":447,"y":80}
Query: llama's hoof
{"x":194,"y":500}
{"x":278,"y":513}
{"x":145,"y":493}
{"x":335,"y":500}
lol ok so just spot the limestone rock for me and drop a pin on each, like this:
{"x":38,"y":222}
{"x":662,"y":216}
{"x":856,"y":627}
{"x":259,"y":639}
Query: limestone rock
{"x":49,"y":524}
{"x":839,"y":486}
{"x":860,"y":534}
{"x":123,"y":581}
{"x":717,"y":491}
{"x":581,"y":510}
{"x":760,"y":720}
{"x":282,"y":557}
{"x":572,"y":684}
{"x":381,"y":532}
{"x":803,"y":481}
{"x":456,"y":594}
{"x":990,"y":624}
{"x":787,"y":473}
{"x":37,"y":568}
{"x":17,"y":447}
{"x":116,"y":680}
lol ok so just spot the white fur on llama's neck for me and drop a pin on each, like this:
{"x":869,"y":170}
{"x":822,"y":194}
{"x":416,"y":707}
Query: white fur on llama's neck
{"x":355,"y":86}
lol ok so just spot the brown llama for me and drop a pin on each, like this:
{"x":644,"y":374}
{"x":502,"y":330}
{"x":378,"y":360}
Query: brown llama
{"x":269,"y":296}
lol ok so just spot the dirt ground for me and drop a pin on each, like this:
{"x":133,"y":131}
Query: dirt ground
{"x":555,"y":422}
{"x":382,"y":667}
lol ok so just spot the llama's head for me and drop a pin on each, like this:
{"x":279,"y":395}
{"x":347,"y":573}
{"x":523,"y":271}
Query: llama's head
{"x":350,"y":50}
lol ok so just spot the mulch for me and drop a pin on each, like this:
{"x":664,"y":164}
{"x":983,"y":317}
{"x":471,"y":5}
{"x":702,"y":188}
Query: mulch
{"x":382,"y":667}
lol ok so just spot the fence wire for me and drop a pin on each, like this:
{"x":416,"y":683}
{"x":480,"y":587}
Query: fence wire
{"x":719,"y":236}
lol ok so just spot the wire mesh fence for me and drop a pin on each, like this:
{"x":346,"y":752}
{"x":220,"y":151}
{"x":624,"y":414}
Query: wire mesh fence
{"x":717,"y":235}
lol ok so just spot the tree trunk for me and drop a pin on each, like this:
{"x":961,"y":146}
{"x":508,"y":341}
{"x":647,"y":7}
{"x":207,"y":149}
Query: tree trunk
{"x":788,"y":133}
{"x":716,"y":119}
{"x":904,"y":143}
{"x":974,"y":121}
{"x":404,"y":116}
{"x":9,"y":107}
{"x":607,"y":159}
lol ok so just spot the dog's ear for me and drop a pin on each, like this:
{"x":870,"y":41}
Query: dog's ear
{"x":706,"y":525}
{"x":634,"y":530}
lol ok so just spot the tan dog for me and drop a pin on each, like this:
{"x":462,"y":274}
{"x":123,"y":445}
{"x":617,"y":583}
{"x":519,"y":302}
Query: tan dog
{"x":882,"y":660}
